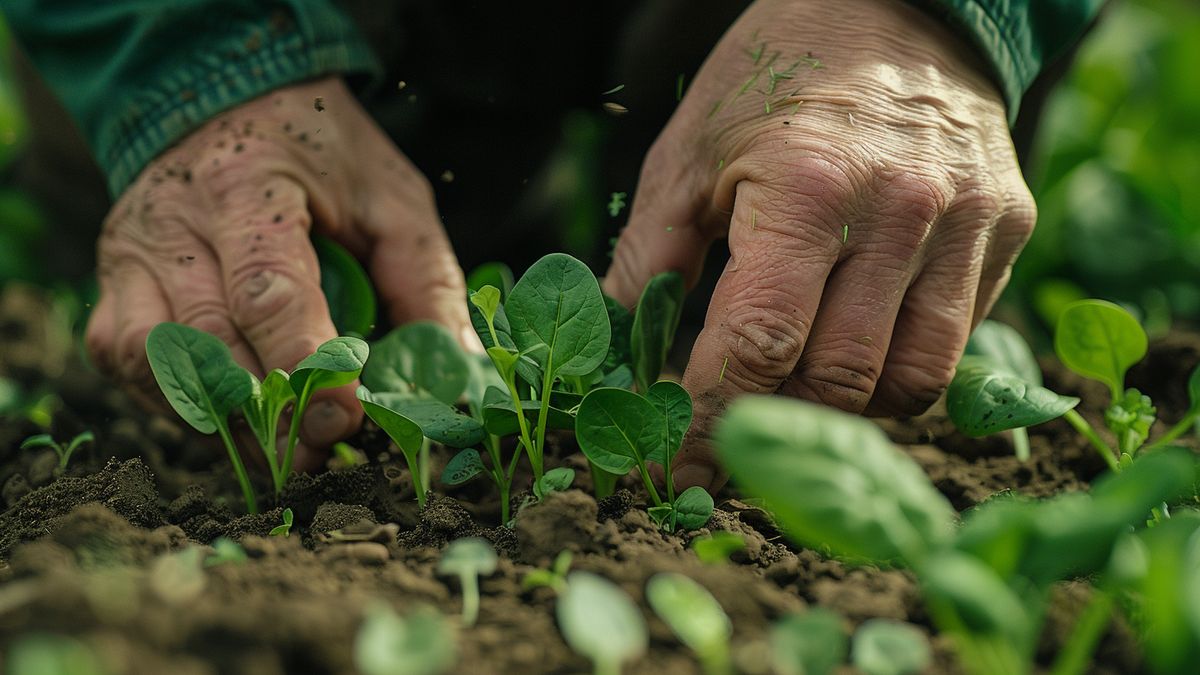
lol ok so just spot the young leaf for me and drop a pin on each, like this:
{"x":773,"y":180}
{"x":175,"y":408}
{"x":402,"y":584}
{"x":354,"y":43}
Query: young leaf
{"x":833,"y":479}
{"x":405,"y":433}
{"x":347,"y":288}
{"x":1098,"y":339}
{"x":266,"y":405}
{"x":39,"y":441}
{"x":335,"y":363}
{"x":197,"y":374}
{"x":1004,"y":346}
{"x":618,"y":430}
{"x":557,"y":315}
{"x":438,"y":421}
{"x":1130,"y":418}
{"x":285,"y":529}
{"x":693,"y":508}
{"x":463,"y":467}
{"x":984,"y":398}
{"x":72,"y":446}
{"x":654,"y":323}
{"x":675,"y":405}
{"x":495,"y":274}
{"x":620,"y":352}
{"x":554,"y":480}
{"x":468,"y":559}
{"x":419,"y":644}
{"x":695,"y":617}
{"x":419,"y":357}
{"x":888,"y":647}
{"x":487,"y":300}
{"x":812,"y":643}
{"x":716,"y":548}
{"x":600,"y":622}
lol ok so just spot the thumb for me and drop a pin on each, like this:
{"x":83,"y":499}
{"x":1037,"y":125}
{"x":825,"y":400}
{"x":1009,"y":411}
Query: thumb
{"x":671,"y":226}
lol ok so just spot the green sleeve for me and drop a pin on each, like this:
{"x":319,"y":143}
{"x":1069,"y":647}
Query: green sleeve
{"x":138,"y":75}
{"x":1018,"y":37}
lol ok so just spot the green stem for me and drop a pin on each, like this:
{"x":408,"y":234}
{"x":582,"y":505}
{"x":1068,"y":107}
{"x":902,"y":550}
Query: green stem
{"x":1077,"y":653}
{"x":543,"y":413}
{"x":603,"y":482}
{"x":470,"y":606}
{"x":293,"y":434}
{"x":1081,"y":425}
{"x":1181,"y":427}
{"x":238,"y":468}
{"x":414,"y":468}
{"x":605,"y":666}
{"x":649,"y":484}
{"x":502,"y":479}
{"x":423,"y":460}
{"x":521,"y":422}
{"x":1020,"y":438}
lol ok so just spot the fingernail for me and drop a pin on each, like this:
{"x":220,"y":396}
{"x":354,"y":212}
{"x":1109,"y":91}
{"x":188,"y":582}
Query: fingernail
{"x":693,"y":474}
{"x":325,"y":423}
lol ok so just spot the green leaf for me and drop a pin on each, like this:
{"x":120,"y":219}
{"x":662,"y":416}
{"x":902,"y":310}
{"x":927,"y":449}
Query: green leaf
{"x":225,"y":551}
{"x":1170,"y":593}
{"x":347,"y":288}
{"x":557,"y":315}
{"x":693,"y":508}
{"x":419,"y":357}
{"x":618,"y":429}
{"x":495,"y":274}
{"x":1004,"y":346}
{"x":812,"y":643}
{"x":888,"y":647}
{"x":335,"y":363}
{"x":48,"y":654}
{"x":85,"y":437}
{"x":620,"y":377}
{"x":654,"y":323}
{"x":675,"y":405}
{"x":601,"y":622}
{"x":39,"y":441}
{"x":554,"y":480}
{"x":406,"y":433}
{"x":266,"y":405}
{"x":692,"y":613}
{"x":197,"y":374}
{"x":833,"y":479}
{"x":438,"y":422}
{"x":661,"y":515}
{"x":422,"y":643}
{"x":471,"y":555}
{"x":500,"y":419}
{"x":716,"y":548}
{"x":1194,"y":390}
{"x":1098,"y":339}
{"x":487,"y":300}
{"x":620,"y":352}
{"x":984,"y":398}
{"x":463,"y":467}
{"x":980,"y":598}
{"x":285,"y":529}
{"x":1130,"y":418}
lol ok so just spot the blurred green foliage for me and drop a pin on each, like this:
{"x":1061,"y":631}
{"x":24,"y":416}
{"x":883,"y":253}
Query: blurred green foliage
{"x":1116,"y":170}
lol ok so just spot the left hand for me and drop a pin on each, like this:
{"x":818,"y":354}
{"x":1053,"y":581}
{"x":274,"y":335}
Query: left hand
{"x":858,"y":158}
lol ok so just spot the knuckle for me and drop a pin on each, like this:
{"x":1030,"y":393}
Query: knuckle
{"x":765,"y":342}
{"x":211,"y":318}
{"x":259,"y":291}
{"x":917,"y":382}
{"x":843,"y":375}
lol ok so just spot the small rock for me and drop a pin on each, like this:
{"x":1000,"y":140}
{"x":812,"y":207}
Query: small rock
{"x":365,"y":552}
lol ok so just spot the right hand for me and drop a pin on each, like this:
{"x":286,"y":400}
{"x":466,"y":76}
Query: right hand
{"x":214,"y":233}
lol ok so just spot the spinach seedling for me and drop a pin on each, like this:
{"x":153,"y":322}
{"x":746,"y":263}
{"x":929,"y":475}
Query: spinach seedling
{"x":262,"y":411}
{"x":554,"y":578}
{"x":601,"y":622}
{"x":812,"y":643}
{"x":285,"y":528}
{"x":422,"y":643}
{"x":336,"y":363}
{"x":695,"y":617}
{"x":404,"y":432}
{"x":468,"y":559}
{"x":619,"y":430}
{"x":225,"y":551}
{"x":64,"y":451}
{"x":716,"y":548}
{"x":887,"y":647}
{"x":204,"y":385}
{"x":836,"y":483}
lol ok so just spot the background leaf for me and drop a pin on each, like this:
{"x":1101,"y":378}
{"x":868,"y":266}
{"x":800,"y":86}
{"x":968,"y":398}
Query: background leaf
{"x":654,"y":323}
{"x":347,"y":288}
{"x":420,"y":356}
{"x":600,"y":621}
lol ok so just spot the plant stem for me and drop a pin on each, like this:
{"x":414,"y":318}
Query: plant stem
{"x":543,"y":412}
{"x":603,"y":482}
{"x":238,"y":468}
{"x":1081,"y":425}
{"x":423,"y":462}
{"x":1181,"y":427}
{"x":414,"y":468}
{"x":294,"y":433}
{"x":470,"y":591}
{"x":1021,"y":444}
{"x":1076,"y":654}
{"x":649,"y":484}
{"x":521,"y":422}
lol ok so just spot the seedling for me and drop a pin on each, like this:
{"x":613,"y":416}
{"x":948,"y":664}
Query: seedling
{"x":347,"y":288}
{"x":620,"y":430}
{"x":468,"y":559}
{"x":204,"y":385}
{"x":225,"y":551}
{"x":64,"y":452}
{"x":284,"y":529}
{"x":998,"y":385}
{"x":404,"y":432}
{"x":812,"y":643}
{"x":695,"y":617}
{"x":716,"y":548}
{"x":887,"y":647}
{"x":601,"y":622}
{"x":422,"y":643}
{"x":554,"y":578}
{"x":835,"y":482}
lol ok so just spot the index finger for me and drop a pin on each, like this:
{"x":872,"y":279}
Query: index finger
{"x":761,"y":311}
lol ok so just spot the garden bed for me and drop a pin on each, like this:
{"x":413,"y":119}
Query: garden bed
{"x":84,"y":554}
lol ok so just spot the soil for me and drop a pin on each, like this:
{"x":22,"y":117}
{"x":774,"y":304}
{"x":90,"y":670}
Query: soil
{"x":93,"y":553}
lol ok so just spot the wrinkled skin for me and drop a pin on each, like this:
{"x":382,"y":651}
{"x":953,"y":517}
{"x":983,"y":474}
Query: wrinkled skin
{"x":891,"y":137}
{"x":214,"y":233}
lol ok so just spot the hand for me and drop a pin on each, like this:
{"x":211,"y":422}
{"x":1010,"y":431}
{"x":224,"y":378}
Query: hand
{"x":858,"y":159}
{"x":214,"y":233}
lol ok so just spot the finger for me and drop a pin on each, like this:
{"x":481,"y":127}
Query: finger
{"x":1013,"y":229}
{"x":665,"y":233}
{"x":100,"y":337}
{"x":760,"y":313}
{"x":844,"y":355}
{"x":414,"y":266}
{"x":139,"y":306}
{"x":273,"y":291}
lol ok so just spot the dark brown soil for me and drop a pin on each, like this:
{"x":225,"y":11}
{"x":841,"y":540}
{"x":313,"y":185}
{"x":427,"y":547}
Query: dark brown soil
{"x":95,"y":554}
